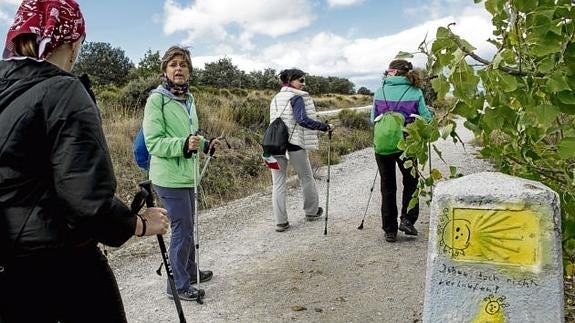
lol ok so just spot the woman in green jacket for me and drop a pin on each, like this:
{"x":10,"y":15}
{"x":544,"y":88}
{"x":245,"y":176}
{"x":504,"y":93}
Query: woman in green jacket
{"x":170,"y":130}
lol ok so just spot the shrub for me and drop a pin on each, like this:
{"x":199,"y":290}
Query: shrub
{"x":136,"y":92}
{"x":354,"y":120}
{"x":253,"y":117}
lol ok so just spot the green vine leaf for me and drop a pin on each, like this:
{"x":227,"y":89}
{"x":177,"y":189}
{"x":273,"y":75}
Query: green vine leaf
{"x":567,"y":148}
{"x":403,"y":55}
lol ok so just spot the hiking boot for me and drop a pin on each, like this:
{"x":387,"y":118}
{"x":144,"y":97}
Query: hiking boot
{"x":204,"y":277}
{"x":407,"y":228}
{"x":316,"y":216}
{"x":282,"y":227}
{"x":188,"y":295}
{"x":390,"y":236}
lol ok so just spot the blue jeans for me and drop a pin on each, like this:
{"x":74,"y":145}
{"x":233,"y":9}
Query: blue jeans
{"x":180,"y":205}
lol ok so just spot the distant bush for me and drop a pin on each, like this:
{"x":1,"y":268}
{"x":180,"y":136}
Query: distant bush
{"x":354,"y":120}
{"x":239,"y":92}
{"x":109,"y":96}
{"x":252,"y":114}
{"x":365,"y":91}
{"x":136,"y":92}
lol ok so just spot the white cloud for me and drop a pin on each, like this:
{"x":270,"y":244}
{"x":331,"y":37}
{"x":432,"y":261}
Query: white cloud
{"x":342,"y":3}
{"x":221,"y":19}
{"x":363,"y":60}
{"x":435,"y":9}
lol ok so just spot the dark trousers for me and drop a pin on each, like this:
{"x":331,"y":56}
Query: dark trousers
{"x":61,"y":286}
{"x":180,"y":205}
{"x":386,"y":166}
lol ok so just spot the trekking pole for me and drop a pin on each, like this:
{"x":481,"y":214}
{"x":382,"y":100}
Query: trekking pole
{"x":360,"y":227}
{"x":145,"y":194}
{"x":328,"y":177}
{"x":197,"y":226}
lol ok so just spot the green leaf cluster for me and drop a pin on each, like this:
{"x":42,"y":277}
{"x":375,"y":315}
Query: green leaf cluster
{"x":520,"y":103}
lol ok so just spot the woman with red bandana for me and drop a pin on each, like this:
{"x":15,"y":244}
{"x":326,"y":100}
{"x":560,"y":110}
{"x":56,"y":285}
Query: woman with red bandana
{"x":57,"y":184}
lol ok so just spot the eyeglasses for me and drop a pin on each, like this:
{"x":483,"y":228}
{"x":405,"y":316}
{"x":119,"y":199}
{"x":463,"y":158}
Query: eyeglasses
{"x":302,"y":80}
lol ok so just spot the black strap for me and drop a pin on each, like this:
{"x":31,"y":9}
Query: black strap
{"x":162,"y":108}
{"x":279,"y":116}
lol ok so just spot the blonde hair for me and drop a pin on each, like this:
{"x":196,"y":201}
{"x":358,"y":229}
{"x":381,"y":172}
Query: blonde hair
{"x":173,"y":52}
{"x":25,"y":45}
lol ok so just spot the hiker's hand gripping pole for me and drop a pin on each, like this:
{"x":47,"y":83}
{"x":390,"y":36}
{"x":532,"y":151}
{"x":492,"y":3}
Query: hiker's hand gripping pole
{"x":145,"y":194}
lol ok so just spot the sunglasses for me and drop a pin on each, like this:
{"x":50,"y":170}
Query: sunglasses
{"x":302,"y":80}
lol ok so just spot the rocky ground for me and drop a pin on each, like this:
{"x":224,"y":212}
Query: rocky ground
{"x":302,"y":275}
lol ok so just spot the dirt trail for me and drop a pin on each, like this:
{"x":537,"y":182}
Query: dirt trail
{"x":300,"y":275}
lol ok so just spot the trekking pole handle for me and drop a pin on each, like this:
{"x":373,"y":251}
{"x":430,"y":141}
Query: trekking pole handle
{"x":195,"y":151}
{"x":146,"y":186}
{"x":329,"y":129}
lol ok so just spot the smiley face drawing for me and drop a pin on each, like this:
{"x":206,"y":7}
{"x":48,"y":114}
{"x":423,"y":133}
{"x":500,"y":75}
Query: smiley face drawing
{"x":509,"y":237}
{"x":456,"y":235}
{"x":492,"y":307}
{"x":491,"y":310}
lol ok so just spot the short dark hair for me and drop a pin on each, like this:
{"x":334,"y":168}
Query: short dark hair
{"x":291,"y":74}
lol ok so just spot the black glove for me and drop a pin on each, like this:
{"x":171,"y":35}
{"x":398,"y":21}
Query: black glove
{"x":207,"y":147}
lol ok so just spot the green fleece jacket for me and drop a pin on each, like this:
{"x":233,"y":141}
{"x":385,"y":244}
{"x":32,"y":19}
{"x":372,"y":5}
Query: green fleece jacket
{"x":167,"y":126}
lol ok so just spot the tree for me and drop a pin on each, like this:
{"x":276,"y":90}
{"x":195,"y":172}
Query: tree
{"x":222,"y":73}
{"x":149,"y":65}
{"x":265,"y":80}
{"x":105,"y":65}
{"x":364,"y":91}
{"x":340,"y":85}
{"x":520,"y":104}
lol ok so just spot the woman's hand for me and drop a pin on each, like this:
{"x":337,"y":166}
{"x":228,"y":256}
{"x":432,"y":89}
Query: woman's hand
{"x":153,"y":221}
{"x":193,"y":143}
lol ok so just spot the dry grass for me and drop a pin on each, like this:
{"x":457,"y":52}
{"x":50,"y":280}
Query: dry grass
{"x":242,"y":116}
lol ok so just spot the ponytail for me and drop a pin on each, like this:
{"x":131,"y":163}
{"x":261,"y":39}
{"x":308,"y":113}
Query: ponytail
{"x":25,"y":45}
{"x":414,"y":77}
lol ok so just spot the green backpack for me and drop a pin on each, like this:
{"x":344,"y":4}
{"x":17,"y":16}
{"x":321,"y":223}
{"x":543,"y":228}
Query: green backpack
{"x":388,"y":130}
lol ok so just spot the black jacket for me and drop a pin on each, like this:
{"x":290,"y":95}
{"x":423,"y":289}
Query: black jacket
{"x":57,"y":183}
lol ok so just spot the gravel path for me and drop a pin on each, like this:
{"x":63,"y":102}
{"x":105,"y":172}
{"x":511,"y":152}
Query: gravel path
{"x":299,"y":275}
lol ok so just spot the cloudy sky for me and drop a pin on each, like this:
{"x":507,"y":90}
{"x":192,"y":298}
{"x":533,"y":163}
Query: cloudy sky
{"x":355,"y":39}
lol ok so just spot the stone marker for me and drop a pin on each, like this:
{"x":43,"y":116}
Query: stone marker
{"x":494,"y":252}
